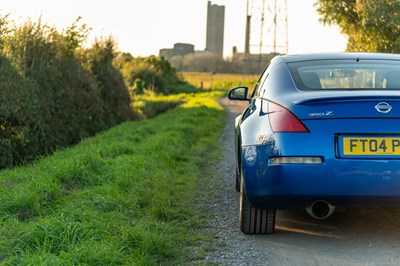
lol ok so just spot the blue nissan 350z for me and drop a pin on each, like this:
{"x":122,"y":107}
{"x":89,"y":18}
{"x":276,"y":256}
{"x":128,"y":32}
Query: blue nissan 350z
{"x":320,"y":131}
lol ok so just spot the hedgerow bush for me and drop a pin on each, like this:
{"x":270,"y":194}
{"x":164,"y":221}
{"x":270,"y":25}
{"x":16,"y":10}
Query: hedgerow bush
{"x":22,"y":126}
{"x":151,"y":73}
{"x":54,"y":92}
{"x":113,"y":92}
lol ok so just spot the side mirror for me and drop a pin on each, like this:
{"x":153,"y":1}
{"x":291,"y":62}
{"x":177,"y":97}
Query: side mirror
{"x":238,"y":94}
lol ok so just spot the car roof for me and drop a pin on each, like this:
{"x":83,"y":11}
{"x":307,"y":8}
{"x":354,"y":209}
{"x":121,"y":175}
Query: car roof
{"x":337,"y":56}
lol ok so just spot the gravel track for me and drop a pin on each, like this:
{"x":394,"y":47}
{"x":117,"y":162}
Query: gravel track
{"x":357,"y":236}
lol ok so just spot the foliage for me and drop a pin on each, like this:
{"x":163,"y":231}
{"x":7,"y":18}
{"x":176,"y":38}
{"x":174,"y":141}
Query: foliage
{"x":149,"y":105}
{"x":4,"y":29}
{"x":22,"y":110}
{"x":371,"y":25}
{"x":123,"y":197}
{"x":76,"y":35}
{"x":50,"y":98}
{"x":114,"y":94}
{"x":151,"y":73}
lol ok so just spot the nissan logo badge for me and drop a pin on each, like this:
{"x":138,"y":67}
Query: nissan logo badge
{"x":383,"y":107}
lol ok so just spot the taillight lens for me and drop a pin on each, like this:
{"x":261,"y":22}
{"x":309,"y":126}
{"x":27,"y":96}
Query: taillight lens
{"x":282,"y":120}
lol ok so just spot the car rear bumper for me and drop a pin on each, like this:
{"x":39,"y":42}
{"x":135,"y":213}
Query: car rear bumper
{"x":304,"y":201}
{"x":341,"y":182}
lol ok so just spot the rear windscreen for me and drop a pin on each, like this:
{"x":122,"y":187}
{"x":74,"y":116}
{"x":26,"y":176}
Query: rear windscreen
{"x":346,"y":74}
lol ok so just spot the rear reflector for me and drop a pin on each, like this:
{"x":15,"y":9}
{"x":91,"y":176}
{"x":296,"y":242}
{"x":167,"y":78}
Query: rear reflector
{"x":295,"y":160}
{"x":282,"y":120}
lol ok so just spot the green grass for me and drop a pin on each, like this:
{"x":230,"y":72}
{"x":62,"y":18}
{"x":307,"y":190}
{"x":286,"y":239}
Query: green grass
{"x":219,"y":80}
{"x":149,"y":104}
{"x":123,"y":197}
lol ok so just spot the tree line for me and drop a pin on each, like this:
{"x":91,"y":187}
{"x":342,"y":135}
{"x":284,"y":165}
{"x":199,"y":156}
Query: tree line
{"x":370,"y":25}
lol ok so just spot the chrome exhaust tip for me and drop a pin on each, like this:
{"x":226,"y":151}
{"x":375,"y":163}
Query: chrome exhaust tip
{"x":320,"y":209}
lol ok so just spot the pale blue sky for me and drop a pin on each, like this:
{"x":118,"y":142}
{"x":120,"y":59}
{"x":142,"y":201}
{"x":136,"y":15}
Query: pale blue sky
{"x":142,"y":27}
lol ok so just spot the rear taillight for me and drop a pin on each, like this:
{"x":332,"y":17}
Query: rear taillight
{"x":282,"y":120}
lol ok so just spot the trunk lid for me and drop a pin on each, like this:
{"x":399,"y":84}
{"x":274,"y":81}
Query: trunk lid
{"x":344,"y":105}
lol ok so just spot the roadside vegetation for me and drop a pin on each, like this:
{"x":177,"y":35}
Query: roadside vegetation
{"x":152,"y":74}
{"x":54,"y":91}
{"x":123,"y":197}
{"x":370,"y":25}
{"x":98,"y":183}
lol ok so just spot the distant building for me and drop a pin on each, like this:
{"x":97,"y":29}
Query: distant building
{"x":215,"y":29}
{"x":180,"y":49}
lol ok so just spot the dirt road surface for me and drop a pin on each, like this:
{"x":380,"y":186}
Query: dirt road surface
{"x":357,"y":236}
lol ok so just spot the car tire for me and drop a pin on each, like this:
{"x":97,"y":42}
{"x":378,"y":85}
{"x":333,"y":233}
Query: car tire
{"x":254,"y":220}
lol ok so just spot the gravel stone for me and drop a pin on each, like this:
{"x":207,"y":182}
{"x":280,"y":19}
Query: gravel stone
{"x":232,"y":247}
{"x":356,"y":236}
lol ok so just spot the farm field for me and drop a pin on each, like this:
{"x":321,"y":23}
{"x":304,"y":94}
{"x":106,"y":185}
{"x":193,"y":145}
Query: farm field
{"x":219,"y":80}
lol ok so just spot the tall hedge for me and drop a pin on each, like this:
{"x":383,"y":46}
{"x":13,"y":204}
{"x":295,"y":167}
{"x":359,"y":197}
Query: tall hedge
{"x":53,"y":93}
{"x":21,"y":116}
{"x":113,"y":92}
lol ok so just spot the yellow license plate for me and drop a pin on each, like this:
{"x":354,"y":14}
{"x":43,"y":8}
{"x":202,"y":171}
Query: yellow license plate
{"x":371,"y":146}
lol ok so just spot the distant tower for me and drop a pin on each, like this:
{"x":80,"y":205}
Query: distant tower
{"x":215,"y":29}
{"x":266,"y":27}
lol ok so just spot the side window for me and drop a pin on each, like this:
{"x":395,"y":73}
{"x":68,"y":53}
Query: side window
{"x":258,"y":88}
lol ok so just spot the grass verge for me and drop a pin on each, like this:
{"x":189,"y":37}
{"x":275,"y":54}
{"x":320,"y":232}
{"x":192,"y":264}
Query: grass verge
{"x":123,"y":197}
